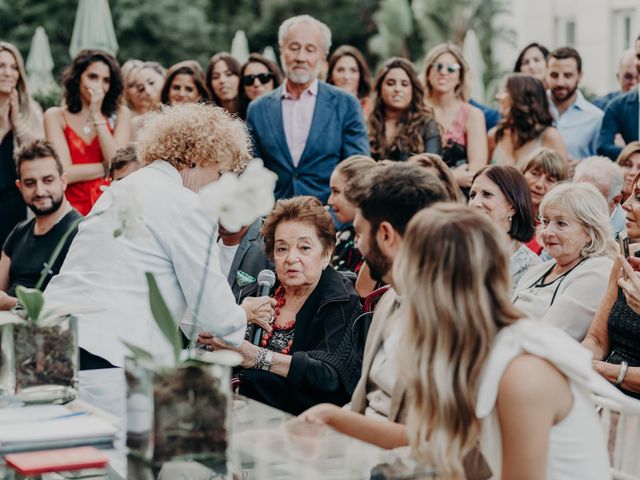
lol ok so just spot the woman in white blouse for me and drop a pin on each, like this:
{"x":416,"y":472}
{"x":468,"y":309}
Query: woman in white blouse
{"x":576,"y":232}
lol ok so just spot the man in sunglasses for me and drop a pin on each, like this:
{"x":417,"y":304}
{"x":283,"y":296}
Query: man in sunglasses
{"x":621,"y":122}
{"x":305,"y":127}
{"x":627,"y":77}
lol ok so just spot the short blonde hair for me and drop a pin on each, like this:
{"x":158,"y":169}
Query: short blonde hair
{"x":547,"y":160}
{"x":462,"y":91}
{"x":588,"y":206}
{"x":195,"y":133}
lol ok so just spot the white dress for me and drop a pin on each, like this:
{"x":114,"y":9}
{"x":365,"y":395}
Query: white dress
{"x":577,"y":448}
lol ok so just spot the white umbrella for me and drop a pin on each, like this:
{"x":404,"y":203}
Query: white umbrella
{"x":93,"y":28}
{"x":40,"y":63}
{"x":240,"y":46}
{"x":473,"y":55}
{"x":270,"y":53}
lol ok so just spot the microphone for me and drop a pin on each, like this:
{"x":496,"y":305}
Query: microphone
{"x":266,"y":281}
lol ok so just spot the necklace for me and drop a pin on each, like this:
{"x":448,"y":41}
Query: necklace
{"x":266,"y":336}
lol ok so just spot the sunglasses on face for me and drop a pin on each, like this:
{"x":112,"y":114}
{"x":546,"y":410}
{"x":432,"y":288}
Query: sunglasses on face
{"x":264,"y":78}
{"x":450,"y":68}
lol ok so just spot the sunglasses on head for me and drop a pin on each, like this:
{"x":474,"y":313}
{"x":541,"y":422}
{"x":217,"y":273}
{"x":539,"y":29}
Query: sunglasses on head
{"x":264,"y":78}
{"x":451,"y":68}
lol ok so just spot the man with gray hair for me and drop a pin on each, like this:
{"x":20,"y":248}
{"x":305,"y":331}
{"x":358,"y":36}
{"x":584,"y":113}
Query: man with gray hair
{"x":608,"y":178}
{"x":305,"y":127}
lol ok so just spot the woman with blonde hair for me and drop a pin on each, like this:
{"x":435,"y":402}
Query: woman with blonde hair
{"x":20,"y":122}
{"x":434,"y":164}
{"x":575,"y":231}
{"x":464,"y":143}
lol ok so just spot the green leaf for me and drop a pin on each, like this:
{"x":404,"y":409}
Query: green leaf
{"x":32,"y":300}
{"x":163,"y":316}
{"x":137,"y":352}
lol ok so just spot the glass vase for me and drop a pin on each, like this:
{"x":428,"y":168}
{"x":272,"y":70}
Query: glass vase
{"x":39,"y":363}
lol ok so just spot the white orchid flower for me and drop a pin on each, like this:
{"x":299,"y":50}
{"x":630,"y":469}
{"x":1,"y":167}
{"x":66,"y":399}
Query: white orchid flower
{"x":236,"y":201}
{"x":128,"y":212}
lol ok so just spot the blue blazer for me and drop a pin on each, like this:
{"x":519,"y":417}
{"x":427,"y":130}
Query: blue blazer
{"x":620,"y":116}
{"x":337,"y":132}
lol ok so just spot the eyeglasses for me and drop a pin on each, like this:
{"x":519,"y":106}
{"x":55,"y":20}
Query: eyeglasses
{"x":451,"y":68}
{"x":628,"y":77}
{"x":264,"y":78}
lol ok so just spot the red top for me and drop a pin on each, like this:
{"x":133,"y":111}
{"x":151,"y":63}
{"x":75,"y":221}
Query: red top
{"x":82,"y":195}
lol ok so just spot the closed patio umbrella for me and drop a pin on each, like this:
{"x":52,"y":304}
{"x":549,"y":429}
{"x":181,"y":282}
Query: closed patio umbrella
{"x":93,"y":28}
{"x":240,"y":46}
{"x":40,"y":64}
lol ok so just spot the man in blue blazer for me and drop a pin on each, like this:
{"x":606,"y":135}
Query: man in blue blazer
{"x":305,"y":127}
{"x":620,"y":116}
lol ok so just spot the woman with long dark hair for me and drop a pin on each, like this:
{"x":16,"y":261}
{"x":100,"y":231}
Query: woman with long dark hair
{"x":185,"y":83}
{"x":526,"y":123}
{"x":258,"y":76}
{"x":532,"y":60}
{"x":348,"y":70}
{"x":223,"y":81}
{"x":90,"y":126}
{"x":401,"y":124}
{"x":20,"y":122}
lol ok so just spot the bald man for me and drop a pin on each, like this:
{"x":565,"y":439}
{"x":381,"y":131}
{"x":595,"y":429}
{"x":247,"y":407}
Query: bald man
{"x":627,"y":78}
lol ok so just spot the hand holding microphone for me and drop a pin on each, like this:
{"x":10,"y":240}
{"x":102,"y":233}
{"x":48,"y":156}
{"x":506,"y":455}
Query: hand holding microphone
{"x":259,"y":309}
{"x":266,"y":281}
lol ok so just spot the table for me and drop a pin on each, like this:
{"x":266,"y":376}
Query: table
{"x":266,"y":444}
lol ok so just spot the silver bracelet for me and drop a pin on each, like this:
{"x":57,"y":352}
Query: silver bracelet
{"x":263,"y":360}
{"x":623,"y":371}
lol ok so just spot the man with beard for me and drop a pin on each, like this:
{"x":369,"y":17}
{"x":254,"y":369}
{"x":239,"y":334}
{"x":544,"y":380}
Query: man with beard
{"x":304,"y":127}
{"x":621,"y":119}
{"x":577,"y":119}
{"x":387,"y":197}
{"x":27,"y":249}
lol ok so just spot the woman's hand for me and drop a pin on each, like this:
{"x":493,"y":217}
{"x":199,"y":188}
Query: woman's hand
{"x":630,"y":283}
{"x":463,"y":176}
{"x":248,"y":350}
{"x":260,"y":311}
{"x":609,"y":371}
{"x":14,"y":109}
{"x":95,"y":103}
{"x":319,"y":414}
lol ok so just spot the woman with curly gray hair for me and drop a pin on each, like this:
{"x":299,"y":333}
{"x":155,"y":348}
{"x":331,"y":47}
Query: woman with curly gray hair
{"x":576,"y":232}
{"x":183,"y":148}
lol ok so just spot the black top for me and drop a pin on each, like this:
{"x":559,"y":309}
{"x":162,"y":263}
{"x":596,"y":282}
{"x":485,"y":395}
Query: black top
{"x":326,"y":355}
{"x":29,"y":252}
{"x":624,"y":335}
{"x":430,"y":137}
{"x":8,"y":174}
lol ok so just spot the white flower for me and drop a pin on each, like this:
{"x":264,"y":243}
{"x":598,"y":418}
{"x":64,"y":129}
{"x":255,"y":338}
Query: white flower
{"x":127,"y":210}
{"x":236,"y":201}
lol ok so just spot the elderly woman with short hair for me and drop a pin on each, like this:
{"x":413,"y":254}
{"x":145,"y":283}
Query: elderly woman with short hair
{"x":576,"y":232}
{"x":310,"y":356}
{"x":183,"y":148}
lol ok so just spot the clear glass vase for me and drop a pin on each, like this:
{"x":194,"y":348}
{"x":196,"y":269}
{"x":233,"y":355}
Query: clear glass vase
{"x":39,"y":363}
{"x":180,"y":413}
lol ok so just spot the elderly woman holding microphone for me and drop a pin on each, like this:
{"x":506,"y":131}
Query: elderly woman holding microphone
{"x":183,"y":148}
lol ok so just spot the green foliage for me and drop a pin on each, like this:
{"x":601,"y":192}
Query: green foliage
{"x":32,"y":300}
{"x":163,"y":316}
{"x":394,"y":21}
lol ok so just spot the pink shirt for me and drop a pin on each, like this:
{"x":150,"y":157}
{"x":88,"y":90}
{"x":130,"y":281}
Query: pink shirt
{"x":297,"y":114}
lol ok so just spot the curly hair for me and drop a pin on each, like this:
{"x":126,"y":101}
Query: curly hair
{"x":243,"y":100}
{"x":195,"y":133}
{"x":411,"y":126}
{"x":529,"y":114}
{"x":232,"y":64}
{"x":364,"y":81}
{"x":71,"y":81}
{"x":303,"y":209}
{"x":187,"y":67}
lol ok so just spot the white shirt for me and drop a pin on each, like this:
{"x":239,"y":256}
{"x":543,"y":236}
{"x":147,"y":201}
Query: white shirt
{"x":227,"y":253}
{"x":577,"y":448}
{"x":569,"y":302}
{"x":109,"y":273}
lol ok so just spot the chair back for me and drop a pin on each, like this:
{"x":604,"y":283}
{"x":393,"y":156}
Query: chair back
{"x":622,"y":430}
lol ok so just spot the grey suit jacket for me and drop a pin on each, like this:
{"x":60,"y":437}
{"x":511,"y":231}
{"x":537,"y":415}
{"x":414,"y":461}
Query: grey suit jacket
{"x":249,"y":258}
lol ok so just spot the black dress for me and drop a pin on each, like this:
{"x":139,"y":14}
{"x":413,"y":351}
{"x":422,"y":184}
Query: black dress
{"x":624,"y":336}
{"x":12,"y":207}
